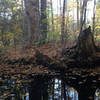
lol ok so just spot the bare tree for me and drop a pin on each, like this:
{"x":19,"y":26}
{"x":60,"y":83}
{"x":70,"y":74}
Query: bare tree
{"x":43,"y":19}
{"x":60,"y":11}
{"x":63,"y":23}
{"x":57,"y":17}
{"x":27,"y":26}
{"x":83,"y":15}
{"x":60,"y":6}
{"x":94,"y":11}
{"x":52,"y":15}
{"x":32,"y":11}
{"x":77,"y":14}
{"x":73,"y":17}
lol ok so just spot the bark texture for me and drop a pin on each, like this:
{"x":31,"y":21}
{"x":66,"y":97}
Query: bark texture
{"x":86,"y":43}
{"x":32,"y":10}
{"x":84,"y":48}
{"x":63,"y":23}
{"x":83,"y":11}
{"x":43,"y":19}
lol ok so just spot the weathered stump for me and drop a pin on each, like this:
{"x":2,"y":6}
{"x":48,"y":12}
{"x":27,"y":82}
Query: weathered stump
{"x":85,"y":45}
{"x":84,"y":53}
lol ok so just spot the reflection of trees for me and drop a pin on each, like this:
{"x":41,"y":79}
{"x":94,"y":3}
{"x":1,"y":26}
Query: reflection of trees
{"x":46,"y":89}
{"x":40,"y":89}
{"x":13,"y":91}
{"x":97,"y":95}
{"x":59,"y":91}
{"x":51,"y":89}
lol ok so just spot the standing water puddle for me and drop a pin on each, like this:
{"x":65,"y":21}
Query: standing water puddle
{"x":39,"y":89}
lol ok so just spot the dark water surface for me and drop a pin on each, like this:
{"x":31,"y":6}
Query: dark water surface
{"x":40,"y":88}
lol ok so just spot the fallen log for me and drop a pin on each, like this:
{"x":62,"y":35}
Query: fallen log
{"x":46,"y":61}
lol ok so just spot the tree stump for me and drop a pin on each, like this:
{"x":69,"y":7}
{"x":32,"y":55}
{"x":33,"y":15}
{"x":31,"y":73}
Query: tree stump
{"x":85,"y":44}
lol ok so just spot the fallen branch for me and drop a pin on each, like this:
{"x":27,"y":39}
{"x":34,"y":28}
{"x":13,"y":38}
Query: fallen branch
{"x":46,"y":61}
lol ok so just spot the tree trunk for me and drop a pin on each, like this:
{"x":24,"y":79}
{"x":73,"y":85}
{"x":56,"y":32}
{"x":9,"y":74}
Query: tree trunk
{"x":94,"y":10}
{"x":60,"y":13}
{"x":43,"y":20}
{"x":57,"y":17}
{"x":27,"y":22}
{"x":60,"y":7}
{"x":83,"y":15}
{"x":32,"y":10}
{"x":86,"y":45}
{"x":63,"y":23}
{"x":77,"y":14}
{"x":73,"y":18}
{"x":52,"y":16}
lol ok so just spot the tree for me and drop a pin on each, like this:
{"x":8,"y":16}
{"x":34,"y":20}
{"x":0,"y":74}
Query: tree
{"x":10,"y":21}
{"x":27,"y":24}
{"x":73,"y":17}
{"x":63,"y":23}
{"x":83,"y":15}
{"x":52,"y":16}
{"x":85,"y":46}
{"x":60,"y":12}
{"x":57,"y":17}
{"x":94,"y":10}
{"x":85,"y":43}
{"x":32,"y":11}
{"x":77,"y":14}
{"x":4,"y":21}
{"x":60,"y":7}
{"x":43,"y":20}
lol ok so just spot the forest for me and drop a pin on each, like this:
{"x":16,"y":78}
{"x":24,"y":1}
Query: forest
{"x":49,"y":49}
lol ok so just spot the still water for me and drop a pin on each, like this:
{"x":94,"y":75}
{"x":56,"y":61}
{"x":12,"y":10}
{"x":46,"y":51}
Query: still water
{"x":39,"y":89}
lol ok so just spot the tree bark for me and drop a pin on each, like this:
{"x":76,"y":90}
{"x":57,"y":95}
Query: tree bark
{"x":83,"y":15}
{"x":63,"y":23}
{"x":77,"y":14}
{"x":60,"y":13}
{"x":73,"y":17}
{"x":57,"y":17}
{"x":94,"y":10}
{"x":86,"y":45}
{"x":32,"y":10}
{"x":52,"y":15}
{"x":84,"y":48}
{"x":43,"y":19}
{"x":27,"y":35}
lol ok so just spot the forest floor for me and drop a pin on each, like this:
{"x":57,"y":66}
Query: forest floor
{"x":13,"y":60}
{"x":22,"y":65}
{"x":9,"y":59}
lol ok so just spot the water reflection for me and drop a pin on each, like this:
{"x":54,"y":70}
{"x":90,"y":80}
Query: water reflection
{"x":97,"y":94}
{"x":10,"y":90}
{"x":55,"y":89}
{"x":40,"y":89}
